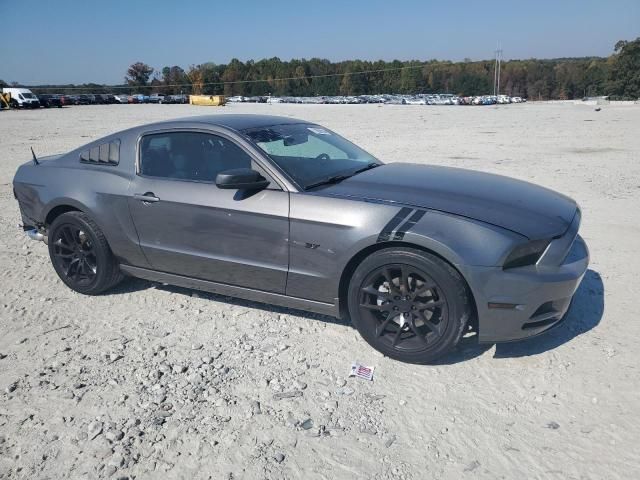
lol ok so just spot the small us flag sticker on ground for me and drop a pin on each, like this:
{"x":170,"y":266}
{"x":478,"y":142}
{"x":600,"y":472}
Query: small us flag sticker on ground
{"x":361,"y":371}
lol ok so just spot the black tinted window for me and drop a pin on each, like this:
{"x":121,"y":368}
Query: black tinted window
{"x":189,"y":156}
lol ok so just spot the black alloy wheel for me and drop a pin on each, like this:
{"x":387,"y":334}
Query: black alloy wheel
{"x":81,"y":255}
{"x":75,"y":255}
{"x":409,"y":304}
{"x":405,"y":306}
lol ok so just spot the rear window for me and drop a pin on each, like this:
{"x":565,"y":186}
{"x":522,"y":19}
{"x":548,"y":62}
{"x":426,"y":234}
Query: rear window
{"x":104,"y":154}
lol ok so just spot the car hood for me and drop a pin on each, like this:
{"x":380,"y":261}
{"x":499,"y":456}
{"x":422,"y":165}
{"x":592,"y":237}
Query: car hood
{"x":530,"y":210}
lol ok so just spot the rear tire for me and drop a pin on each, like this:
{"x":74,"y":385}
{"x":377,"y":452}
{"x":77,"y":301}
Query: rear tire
{"x":408,"y":304}
{"x":81,"y":255}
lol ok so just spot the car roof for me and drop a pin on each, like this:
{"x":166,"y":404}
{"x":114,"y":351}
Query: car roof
{"x":238,"y":121}
{"x":230,"y":121}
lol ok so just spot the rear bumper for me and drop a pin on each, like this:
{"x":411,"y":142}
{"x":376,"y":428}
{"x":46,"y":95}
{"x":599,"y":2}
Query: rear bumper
{"x":524,"y":302}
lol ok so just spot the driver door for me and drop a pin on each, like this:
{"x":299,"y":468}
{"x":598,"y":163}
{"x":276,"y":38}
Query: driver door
{"x":188,"y":226}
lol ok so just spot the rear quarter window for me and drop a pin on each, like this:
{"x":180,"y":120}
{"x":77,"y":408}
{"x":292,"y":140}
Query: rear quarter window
{"x":107,"y":153}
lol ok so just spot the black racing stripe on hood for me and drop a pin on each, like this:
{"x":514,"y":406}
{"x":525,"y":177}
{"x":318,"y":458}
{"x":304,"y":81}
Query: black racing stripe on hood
{"x":388,"y":229}
{"x":408,"y":225}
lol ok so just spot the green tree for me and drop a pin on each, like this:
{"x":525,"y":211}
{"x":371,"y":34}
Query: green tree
{"x":624,"y":78}
{"x":138,"y":76}
{"x":617,"y":75}
{"x":174,"y":80}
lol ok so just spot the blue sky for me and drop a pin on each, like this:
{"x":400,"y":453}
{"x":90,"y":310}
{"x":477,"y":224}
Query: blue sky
{"x":74,"y":41}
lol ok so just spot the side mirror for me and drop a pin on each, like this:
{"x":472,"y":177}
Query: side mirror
{"x":241,"y":179}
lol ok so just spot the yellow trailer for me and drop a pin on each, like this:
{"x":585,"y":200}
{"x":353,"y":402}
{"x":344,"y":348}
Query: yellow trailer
{"x":211,"y":100}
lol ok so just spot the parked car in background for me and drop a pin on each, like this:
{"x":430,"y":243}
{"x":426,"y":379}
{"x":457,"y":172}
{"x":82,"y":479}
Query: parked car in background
{"x":121,"y":98}
{"x":156,"y":98}
{"x":180,"y":98}
{"x":22,"y":98}
{"x":48,"y":100}
{"x":139,"y":98}
{"x":84,"y":99}
{"x":104,"y":98}
{"x":68,"y":100}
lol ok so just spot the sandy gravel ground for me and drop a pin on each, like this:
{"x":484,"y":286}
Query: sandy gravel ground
{"x":153,"y":381}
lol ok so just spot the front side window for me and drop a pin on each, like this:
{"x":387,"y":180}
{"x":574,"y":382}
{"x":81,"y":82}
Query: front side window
{"x":189,"y":156}
{"x":309,"y":153}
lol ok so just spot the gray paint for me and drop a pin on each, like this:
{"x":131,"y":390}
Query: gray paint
{"x":291,"y":247}
{"x":531,"y":210}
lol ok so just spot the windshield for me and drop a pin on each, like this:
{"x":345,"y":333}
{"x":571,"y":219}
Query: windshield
{"x":310,"y":154}
{"x":28,"y":95}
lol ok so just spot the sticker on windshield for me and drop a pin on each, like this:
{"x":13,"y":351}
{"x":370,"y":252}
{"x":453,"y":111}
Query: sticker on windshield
{"x":318,"y":131}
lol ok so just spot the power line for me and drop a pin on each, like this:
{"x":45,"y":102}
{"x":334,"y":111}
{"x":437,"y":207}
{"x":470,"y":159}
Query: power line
{"x":235,"y":82}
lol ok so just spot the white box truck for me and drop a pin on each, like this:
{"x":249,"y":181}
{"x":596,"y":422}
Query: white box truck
{"x":22,"y":98}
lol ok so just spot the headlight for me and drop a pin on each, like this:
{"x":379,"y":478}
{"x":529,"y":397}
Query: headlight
{"x":526,"y":254}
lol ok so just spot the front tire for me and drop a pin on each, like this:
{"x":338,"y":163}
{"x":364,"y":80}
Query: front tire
{"x":81,"y":255}
{"x":408,"y":304}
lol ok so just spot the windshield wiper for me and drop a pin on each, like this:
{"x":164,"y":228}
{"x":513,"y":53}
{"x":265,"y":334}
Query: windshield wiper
{"x":327,"y":181}
{"x":368,"y":167}
{"x":339,"y":178}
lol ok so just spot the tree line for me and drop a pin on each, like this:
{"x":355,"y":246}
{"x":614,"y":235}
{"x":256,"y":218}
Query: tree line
{"x":617,"y":76}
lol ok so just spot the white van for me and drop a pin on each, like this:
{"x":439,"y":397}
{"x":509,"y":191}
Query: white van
{"x":22,"y":97}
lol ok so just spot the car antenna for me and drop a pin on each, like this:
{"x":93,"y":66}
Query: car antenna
{"x":35,"y":159}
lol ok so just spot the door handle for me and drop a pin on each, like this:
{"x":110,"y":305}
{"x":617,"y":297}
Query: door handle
{"x":147,"y":197}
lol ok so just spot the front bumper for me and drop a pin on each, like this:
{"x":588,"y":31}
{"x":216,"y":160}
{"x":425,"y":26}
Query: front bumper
{"x":32,"y":104}
{"x":523,"y":302}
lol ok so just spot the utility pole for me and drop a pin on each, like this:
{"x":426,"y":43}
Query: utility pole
{"x":496,"y":71}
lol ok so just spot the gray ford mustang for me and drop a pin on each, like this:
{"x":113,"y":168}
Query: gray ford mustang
{"x":287,"y":212}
